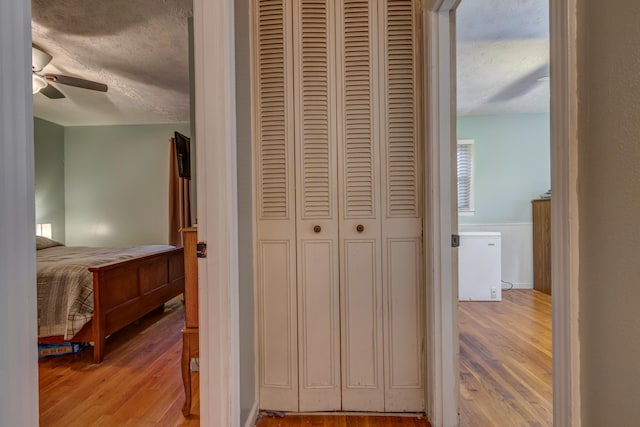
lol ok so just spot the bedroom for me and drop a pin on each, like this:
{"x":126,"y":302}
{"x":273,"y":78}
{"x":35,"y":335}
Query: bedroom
{"x":102,"y":159}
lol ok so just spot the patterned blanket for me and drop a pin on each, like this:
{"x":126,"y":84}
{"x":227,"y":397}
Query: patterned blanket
{"x":65,"y":285}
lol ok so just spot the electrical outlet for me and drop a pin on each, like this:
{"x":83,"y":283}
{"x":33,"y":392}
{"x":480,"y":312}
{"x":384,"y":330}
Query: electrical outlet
{"x":494,"y":293}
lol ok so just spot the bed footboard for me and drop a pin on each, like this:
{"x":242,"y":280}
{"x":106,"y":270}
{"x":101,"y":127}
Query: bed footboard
{"x":125,"y":291}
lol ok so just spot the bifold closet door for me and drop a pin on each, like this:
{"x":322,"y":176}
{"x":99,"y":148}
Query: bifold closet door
{"x":275,"y":206}
{"x":401,"y":159}
{"x":317,"y":207}
{"x":360,"y":228}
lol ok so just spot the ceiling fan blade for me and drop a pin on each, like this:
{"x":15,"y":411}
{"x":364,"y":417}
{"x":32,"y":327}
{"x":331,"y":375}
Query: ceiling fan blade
{"x":522,"y":85}
{"x":77,"y":82}
{"x":51,"y":92}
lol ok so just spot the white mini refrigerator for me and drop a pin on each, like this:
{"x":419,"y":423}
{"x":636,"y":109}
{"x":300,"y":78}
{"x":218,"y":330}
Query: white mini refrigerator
{"x":479,"y":266}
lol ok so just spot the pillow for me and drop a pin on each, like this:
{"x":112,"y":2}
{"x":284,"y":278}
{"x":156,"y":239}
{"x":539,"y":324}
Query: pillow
{"x":43,"y":243}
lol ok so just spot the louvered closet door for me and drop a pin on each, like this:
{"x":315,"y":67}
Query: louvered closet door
{"x":317,"y":210}
{"x":403,"y":291}
{"x":275,"y":207}
{"x":359,"y":184}
{"x":339,"y":218}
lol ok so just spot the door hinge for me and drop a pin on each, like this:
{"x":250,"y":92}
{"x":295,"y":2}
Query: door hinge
{"x":455,"y":240}
{"x":201,"y":250}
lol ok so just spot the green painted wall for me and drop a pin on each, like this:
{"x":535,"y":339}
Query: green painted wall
{"x":512,"y":165}
{"x":48,"y":140}
{"x":117,"y":184}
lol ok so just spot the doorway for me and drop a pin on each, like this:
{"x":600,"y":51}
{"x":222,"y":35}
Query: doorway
{"x":502,"y":58}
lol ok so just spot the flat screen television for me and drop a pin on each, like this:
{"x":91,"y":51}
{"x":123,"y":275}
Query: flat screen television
{"x":183,"y":155}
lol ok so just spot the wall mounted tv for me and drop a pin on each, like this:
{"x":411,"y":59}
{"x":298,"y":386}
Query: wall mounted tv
{"x":183,"y":154}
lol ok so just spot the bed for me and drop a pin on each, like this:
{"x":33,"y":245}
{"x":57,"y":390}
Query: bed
{"x":85,"y":293}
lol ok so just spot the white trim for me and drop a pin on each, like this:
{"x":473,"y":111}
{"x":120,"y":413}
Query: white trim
{"x":564,"y":213}
{"x":441,"y":215}
{"x":253,"y":415}
{"x":18,"y":312}
{"x":217,"y":212}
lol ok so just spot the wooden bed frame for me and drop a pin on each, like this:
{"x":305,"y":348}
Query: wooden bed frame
{"x":125,"y":291}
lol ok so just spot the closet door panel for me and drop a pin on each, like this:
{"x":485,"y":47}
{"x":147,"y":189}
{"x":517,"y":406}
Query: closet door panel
{"x":403,"y":283}
{"x":277,"y":324}
{"x":316,"y":206}
{"x":317,"y":292}
{"x":404,"y":320}
{"x":275,"y":207}
{"x":359,"y":183}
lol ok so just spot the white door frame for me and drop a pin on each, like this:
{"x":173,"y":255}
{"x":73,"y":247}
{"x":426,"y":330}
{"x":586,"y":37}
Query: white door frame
{"x":214,"y":54}
{"x":443,"y":351}
{"x":440,"y":221}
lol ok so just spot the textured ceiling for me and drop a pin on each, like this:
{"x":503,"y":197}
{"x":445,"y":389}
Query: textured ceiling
{"x":502,"y":56}
{"x":139,"y":48}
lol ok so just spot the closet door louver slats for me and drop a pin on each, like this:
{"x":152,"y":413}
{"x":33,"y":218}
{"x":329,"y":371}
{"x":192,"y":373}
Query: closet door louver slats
{"x":274,"y":179}
{"x":316,"y":153}
{"x":358,"y":136}
{"x":401,"y":126}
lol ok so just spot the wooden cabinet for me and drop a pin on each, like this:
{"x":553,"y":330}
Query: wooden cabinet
{"x":190,"y":332}
{"x":541,"y":245}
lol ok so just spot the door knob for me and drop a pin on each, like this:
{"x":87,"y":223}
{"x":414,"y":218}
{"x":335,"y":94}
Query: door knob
{"x":360,"y":228}
{"x":317,"y":229}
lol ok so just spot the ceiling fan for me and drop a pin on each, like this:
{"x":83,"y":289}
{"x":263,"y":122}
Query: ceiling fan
{"x":523,"y":85}
{"x":42,"y":81}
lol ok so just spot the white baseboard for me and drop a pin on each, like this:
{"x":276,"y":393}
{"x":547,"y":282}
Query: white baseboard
{"x":253,"y":415}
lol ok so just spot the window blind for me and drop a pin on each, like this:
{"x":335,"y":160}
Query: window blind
{"x":465,"y":175}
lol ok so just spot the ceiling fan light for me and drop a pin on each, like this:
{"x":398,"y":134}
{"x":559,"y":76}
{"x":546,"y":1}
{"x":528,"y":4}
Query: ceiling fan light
{"x":38,"y":83}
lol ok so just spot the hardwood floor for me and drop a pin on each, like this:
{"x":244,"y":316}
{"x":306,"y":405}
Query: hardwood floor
{"x":341,"y":421}
{"x":138,"y":384}
{"x":505,"y":374}
{"x":505,"y":361}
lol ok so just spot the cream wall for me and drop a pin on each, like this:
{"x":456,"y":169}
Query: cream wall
{"x":117,"y":184}
{"x":609,"y":197}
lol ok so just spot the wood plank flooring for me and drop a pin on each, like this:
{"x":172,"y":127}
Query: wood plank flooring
{"x":341,"y":421}
{"x":505,"y":361}
{"x":505,"y":374}
{"x":138,"y":384}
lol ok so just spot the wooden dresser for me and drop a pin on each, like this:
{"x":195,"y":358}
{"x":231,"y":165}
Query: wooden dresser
{"x":542,"y":245}
{"x":190,"y":331}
